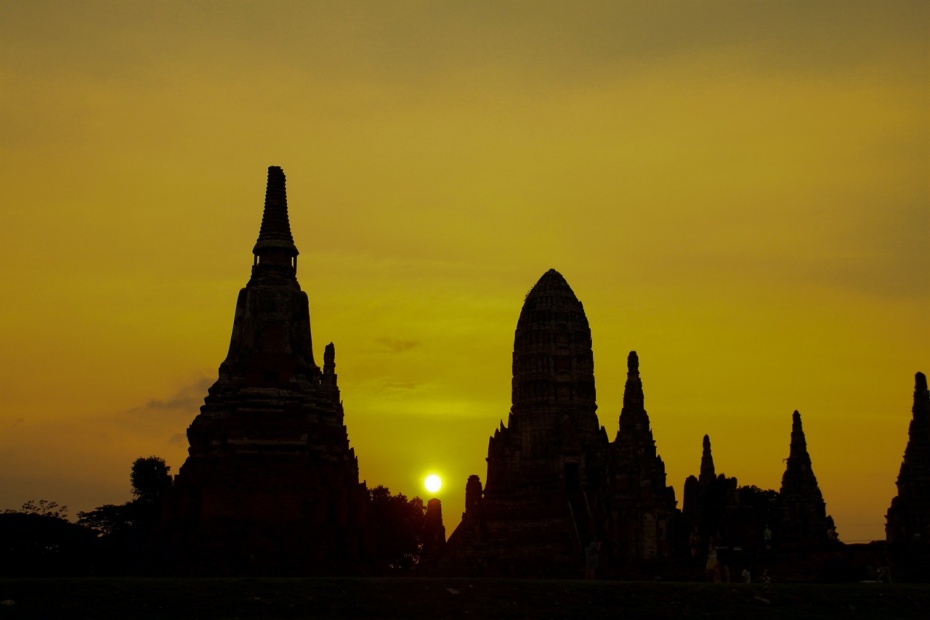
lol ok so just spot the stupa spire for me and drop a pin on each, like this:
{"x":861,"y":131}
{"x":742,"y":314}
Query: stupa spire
{"x":708,"y":473}
{"x":921,"y":409}
{"x":798,"y":449}
{"x":908,"y":519}
{"x":270,"y":485}
{"x":634,"y":429}
{"x":633,"y":399}
{"x":803,"y":509}
{"x":637,"y":478}
{"x":275,"y":233}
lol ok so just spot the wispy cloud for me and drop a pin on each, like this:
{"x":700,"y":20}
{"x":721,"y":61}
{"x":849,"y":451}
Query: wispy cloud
{"x":185,"y":398}
{"x":398,"y":346}
{"x":167,"y":415}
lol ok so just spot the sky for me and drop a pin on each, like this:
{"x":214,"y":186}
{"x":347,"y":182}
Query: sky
{"x":736,"y":190}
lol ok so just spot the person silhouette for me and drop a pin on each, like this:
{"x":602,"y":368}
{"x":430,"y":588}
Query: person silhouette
{"x":592,"y":558}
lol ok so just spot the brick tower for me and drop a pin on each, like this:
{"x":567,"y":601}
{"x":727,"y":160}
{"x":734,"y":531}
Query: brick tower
{"x":270,"y":485}
{"x":547,"y":466}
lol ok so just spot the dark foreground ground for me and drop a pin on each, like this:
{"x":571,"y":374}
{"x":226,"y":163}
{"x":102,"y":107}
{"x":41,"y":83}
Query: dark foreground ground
{"x":450,"y":598}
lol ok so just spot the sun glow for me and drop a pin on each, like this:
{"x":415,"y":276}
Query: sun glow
{"x":432,"y":483}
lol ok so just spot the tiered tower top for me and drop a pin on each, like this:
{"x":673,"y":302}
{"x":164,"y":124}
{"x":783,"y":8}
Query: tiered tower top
{"x":553,"y":364}
{"x":708,"y":472}
{"x":275,"y":232}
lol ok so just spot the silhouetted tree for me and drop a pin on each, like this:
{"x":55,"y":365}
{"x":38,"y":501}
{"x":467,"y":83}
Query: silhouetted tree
{"x":763,"y":501}
{"x":125,"y":531}
{"x":150,"y":480}
{"x":108,"y":519}
{"x":399,"y":525}
{"x":42,"y":507}
{"x":38,"y":541}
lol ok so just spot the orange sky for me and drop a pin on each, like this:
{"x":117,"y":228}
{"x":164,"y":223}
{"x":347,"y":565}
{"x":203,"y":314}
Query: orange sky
{"x":736,"y":190}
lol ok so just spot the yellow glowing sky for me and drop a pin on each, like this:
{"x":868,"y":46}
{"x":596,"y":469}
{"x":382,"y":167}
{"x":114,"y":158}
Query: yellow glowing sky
{"x":736,"y":190}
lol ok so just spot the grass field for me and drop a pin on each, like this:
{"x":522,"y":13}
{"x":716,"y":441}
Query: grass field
{"x":450,"y":598}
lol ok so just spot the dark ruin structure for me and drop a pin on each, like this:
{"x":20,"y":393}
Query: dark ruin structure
{"x":641,"y":507}
{"x":736,"y":522}
{"x":546,"y":468}
{"x":907,"y":527}
{"x":707,"y":500}
{"x":804,"y":522}
{"x":434,"y":532}
{"x":908,"y":518}
{"x":270,"y":485}
{"x":554,"y":482}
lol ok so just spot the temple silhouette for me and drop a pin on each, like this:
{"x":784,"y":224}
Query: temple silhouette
{"x":554,"y":481}
{"x":270,"y":485}
{"x":804,"y":521}
{"x":709,"y":503}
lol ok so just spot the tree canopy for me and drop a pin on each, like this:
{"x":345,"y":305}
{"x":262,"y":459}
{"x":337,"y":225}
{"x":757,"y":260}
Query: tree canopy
{"x":42,"y":507}
{"x":150,"y":479}
{"x":398,"y":525}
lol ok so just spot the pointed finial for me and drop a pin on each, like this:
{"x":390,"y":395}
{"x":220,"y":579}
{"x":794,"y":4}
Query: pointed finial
{"x":708,"y":472}
{"x":803,"y":508}
{"x":921,"y":409}
{"x":920,"y":383}
{"x":329,"y":359}
{"x":633,"y":399}
{"x":796,"y":425}
{"x":798,"y":450}
{"x":275,"y":232}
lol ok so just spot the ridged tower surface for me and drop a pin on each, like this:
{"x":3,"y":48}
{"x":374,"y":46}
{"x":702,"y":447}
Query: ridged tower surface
{"x":553,"y":364}
{"x":546,"y":468}
{"x":270,"y":485}
{"x":635,"y":448}
{"x":553,"y":411}
{"x":270,"y":395}
{"x":637,"y":479}
{"x":908,"y":518}
{"x":708,"y":471}
{"x":803,"y":509}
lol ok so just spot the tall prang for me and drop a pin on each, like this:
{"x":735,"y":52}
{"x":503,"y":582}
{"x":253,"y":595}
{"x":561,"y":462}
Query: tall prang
{"x":270,"y":485}
{"x":908,"y":518}
{"x":804,"y":520}
{"x":553,"y":423}
{"x":543,"y":497}
{"x":642,"y":507}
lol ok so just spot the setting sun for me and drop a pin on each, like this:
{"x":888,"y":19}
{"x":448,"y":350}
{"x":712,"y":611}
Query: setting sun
{"x":432,"y":483}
